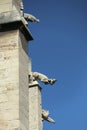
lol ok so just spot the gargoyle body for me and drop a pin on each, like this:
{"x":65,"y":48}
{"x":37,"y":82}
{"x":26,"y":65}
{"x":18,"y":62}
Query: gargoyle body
{"x":45,"y":116}
{"x":30,"y":18}
{"x":27,"y":17}
{"x":34,"y":76}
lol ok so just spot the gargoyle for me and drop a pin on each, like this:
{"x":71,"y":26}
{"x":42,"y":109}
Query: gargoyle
{"x":30,"y":18}
{"x":27,"y":17}
{"x":45,"y":116}
{"x":21,"y":6}
{"x":34,"y":76}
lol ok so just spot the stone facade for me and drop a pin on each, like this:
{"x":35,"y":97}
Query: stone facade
{"x":10,"y":11}
{"x":35,"y":103}
{"x":35,"y":108}
{"x":20,"y":104}
{"x":14,"y":106}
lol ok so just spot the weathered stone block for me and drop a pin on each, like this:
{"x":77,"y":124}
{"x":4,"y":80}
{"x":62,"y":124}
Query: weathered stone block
{"x":35,"y":108}
{"x":14,"y":96}
{"x":9,"y":11}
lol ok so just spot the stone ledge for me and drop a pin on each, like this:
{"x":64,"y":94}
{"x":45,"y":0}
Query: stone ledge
{"x":35,"y":84}
{"x":16,"y":25}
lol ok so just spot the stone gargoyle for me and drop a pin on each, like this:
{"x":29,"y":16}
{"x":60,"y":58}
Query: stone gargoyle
{"x":34,"y":76}
{"x":45,"y":116}
{"x":27,"y":17}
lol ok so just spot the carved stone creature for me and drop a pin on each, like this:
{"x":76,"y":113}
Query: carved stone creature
{"x":45,"y":116}
{"x":30,"y":18}
{"x":27,"y":17}
{"x":20,"y":4}
{"x":43,"y":78}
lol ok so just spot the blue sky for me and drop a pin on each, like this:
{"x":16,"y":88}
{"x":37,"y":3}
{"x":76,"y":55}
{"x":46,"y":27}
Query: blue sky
{"x":59,"y":50}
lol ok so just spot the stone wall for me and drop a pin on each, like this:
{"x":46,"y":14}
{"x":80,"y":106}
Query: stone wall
{"x":13,"y":81}
{"x":23,"y":81}
{"x":35,"y":108}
